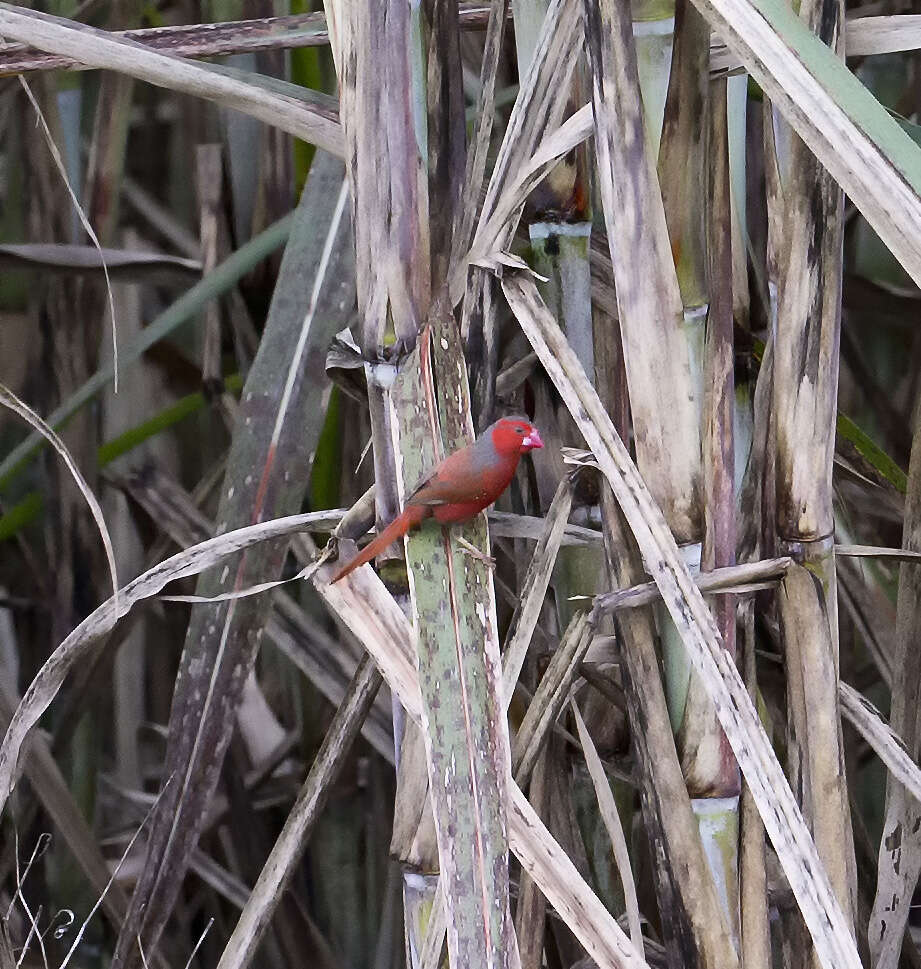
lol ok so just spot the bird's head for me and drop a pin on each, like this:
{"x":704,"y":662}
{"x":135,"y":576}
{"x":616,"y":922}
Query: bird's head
{"x":514,"y":435}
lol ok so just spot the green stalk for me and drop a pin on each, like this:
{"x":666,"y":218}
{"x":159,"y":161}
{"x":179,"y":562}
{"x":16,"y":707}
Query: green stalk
{"x":452,"y":600}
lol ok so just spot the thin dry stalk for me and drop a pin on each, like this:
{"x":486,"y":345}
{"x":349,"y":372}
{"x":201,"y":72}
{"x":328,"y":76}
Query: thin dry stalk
{"x":9,"y":400}
{"x":531,"y":911}
{"x":900,"y":844}
{"x":890,"y":747}
{"x":730,"y":579}
{"x":210,"y":179}
{"x":534,"y":589}
{"x":551,"y":696}
{"x":754,"y":927}
{"x":280,"y":865}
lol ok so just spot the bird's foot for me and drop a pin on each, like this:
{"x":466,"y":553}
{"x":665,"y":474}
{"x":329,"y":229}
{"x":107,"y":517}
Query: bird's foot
{"x":474,"y":552}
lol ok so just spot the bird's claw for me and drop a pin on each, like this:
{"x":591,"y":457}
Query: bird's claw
{"x":474,"y":552}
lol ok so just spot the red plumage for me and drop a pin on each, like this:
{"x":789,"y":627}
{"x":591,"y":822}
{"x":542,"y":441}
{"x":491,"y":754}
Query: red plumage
{"x":461,"y":486}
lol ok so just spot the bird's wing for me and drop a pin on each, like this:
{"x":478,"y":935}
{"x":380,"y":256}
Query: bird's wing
{"x":451,"y":481}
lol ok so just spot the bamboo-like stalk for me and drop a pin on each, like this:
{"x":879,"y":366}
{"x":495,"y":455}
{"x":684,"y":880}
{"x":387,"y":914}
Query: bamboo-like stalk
{"x":654,"y":37}
{"x":459,"y":671}
{"x":693,"y":916}
{"x":674,"y":310}
{"x":694,"y":924}
{"x":530,"y":910}
{"x":693,"y":167}
{"x":715,"y":771}
{"x":683,"y":158}
{"x":805,"y":400}
{"x":683,"y":167}
{"x":649,"y":301}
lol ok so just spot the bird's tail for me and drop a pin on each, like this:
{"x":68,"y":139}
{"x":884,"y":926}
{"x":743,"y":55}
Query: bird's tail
{"x":411,"y":516}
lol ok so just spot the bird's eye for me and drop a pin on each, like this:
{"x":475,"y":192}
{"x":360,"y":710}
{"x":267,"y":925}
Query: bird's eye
{"x":519,"y":430}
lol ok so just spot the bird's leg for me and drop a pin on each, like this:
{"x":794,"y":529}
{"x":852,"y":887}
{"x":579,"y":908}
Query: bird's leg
{"x":474,"y":552}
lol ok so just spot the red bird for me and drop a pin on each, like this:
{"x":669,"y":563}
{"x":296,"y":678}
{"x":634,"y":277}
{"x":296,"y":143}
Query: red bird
{"x":465,"y":483}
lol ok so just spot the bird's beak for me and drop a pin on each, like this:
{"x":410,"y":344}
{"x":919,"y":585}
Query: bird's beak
{"x":533,"y":440}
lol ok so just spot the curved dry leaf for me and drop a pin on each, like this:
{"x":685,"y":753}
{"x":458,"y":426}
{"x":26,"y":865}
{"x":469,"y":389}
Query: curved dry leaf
{"x":252,"y":590}
{"x":102,"y":620}
{"x":10,"y":400}
{"x":63,"y":256}
{"x":313,"y":122}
